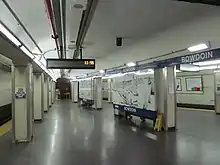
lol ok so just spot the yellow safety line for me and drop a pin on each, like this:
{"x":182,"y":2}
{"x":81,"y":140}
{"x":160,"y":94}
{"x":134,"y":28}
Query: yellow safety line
{"x":5,"y":128}
{"x":194,"y":109}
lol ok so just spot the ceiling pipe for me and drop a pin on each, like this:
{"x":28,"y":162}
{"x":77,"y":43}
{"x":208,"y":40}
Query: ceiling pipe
{"x":22,"y":25}
{"x":64,"y":25}
{"x":49,"y":11}
{"x":58,"y":25}
{"x":84,"y":24}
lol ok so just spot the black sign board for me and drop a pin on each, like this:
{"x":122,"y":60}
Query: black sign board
{"x":70,"y":63}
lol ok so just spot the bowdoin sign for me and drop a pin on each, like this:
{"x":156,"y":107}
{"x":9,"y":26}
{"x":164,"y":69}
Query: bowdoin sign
{"x":197,"y":57}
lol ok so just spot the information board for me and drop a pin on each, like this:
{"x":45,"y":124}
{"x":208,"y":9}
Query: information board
{"x":70,"y":63}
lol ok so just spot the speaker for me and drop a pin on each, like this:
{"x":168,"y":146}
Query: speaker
{"x":119,"y":41}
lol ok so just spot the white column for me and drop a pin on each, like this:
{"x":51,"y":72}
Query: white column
{"x":97,"y":93}
{"x":166,"y":95}
{"x":74,"y":91}
{"x":110,"y":90}
{"x":160,"y":89}
{"x":217,"y":93}
{"x":46,"y":94}
{"x":170,"y":110}
{"x":38,"y":96}
{"x":22,"y":103}
{"x":54,"y":91}
{"x":50,"y":92}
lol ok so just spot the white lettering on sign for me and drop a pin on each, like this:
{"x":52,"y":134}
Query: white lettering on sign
{"x":197,"y":57}
{"x":129,"y":109}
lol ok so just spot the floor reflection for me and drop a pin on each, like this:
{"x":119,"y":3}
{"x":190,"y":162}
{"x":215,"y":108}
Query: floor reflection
{"x":70,"y":135}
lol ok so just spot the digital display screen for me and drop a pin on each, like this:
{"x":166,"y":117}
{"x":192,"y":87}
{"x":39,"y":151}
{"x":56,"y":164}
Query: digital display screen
{"x":70,"y":63}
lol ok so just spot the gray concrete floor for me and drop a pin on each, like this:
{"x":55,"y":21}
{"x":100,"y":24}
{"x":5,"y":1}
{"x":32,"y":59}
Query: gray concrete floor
{"x":70,"y":136}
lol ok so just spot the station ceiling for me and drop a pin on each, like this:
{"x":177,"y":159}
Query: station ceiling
{"x":132,"y":20}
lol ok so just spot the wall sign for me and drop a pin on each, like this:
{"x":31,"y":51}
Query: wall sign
{"x":197,"y":57}
{"x":70,"y":63}
{"x":190,"y":58}
{"x":20,"y":93}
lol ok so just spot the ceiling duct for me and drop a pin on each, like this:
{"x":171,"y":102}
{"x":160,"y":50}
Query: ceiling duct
{"x":58,"y":24}
{"x":208,"y":2}
{"x":51,"y":19}
{"x":86,"y":19}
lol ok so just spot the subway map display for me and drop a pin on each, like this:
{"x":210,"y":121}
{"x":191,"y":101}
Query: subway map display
{"x":85,"y":89}
{"x":135,"y":91}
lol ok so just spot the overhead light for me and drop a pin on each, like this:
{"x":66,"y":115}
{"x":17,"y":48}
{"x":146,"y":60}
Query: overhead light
{"x":130,"y":64}
{"x":198,"y":47}
{"x":43,"y":61}
{"x":102,"y":71}
{"x":10,"y":36}
{"x":114,"y":75}
{"x":213,"y":62}
{"x":189,"y":67}
{"x":148,"y":72}
{"x":178,"y":71}
{"x":38,"y":62}
{"x":27,"y":52}
{"x":208,"y":67}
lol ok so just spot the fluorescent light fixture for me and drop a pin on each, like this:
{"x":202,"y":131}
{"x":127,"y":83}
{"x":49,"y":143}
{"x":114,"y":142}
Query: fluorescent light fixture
{"x":9,"y":35}
{"x":88,"y":78}
{"x":27,"y":52}
{"x":102,"y":71}
{"x":189,"y":67}
{"x":213,"y":62}
{"x":130,"y":73}
{"x":148,"y":72}
{"x":198,"y":47}
{"x":43,"y":61}
{"x":178,"y":71}
{"x":115,"y":75}
{"x":130,"y":64}
{"x":208,"y":67}
{"x":38,"y":62}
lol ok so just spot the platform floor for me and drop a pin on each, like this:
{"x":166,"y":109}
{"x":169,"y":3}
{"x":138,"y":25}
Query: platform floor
{"x":70,"y":136}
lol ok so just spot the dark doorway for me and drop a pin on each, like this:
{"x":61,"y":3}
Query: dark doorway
{"x":64,"y":87}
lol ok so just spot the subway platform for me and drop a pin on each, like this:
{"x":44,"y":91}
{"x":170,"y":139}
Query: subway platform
{"x":70,"y":135}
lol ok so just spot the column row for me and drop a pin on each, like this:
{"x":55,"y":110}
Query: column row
{"x":32,"y":95}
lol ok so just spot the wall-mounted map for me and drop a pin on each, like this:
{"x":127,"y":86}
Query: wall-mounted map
{"x":85,"y":89}
{"x":134,"y":90}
